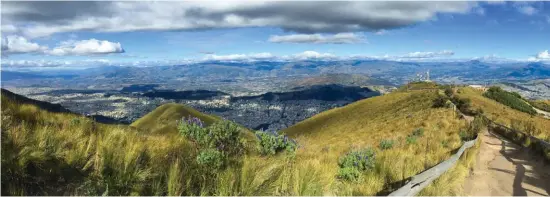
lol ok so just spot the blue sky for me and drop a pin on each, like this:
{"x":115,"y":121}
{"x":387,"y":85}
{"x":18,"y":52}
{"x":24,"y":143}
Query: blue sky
{"x":438,"y":30}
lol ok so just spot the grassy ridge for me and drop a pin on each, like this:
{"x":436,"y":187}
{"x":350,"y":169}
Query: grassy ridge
{"x":327,"y":136}
{"x":541,"y":104}
{"x":503,"y":114}
{"x":63,"y":154}
{"x":510,"y":99}
{"x":163,"y":119}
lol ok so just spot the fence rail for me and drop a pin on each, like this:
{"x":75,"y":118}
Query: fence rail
{"x":420,"y":181}
{"x":519,"y":137}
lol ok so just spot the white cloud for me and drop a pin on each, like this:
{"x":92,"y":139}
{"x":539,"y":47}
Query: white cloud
{"x":313,"y":55}
{"x":8,"y":29}
{"x":496,"y":2}
{"x":340,"y":38}
{"x":444,"y":53}
{"x":37,"y":19}
{"x":544,"y":55}
{"x":239,"y":57}
{"x":381,"y":32}
{"x":13,"y":44}
{"x":526,"y":8}
{"x":86,"y":47}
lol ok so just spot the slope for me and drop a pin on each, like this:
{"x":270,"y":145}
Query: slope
{"x":46,"y":153}
{"x":506,"y":115}
{"x":393,"y":117}
{"x":163,"y":119}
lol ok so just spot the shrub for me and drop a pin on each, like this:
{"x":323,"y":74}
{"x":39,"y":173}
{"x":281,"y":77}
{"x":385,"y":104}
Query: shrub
{"x":271,"y":143}
{"x":211,"y":159}
{"x":440,"y":101}
{"x":386,"y":144}
{"x":225,"y":136}
{"x":351,"y":174}
{"x":411,"y":139}
{"x":418,"y":132}
{"x":354,"y":162}
{"x":222,"y":135}
{"x":509,"y":99}
{"x":449,"y":91}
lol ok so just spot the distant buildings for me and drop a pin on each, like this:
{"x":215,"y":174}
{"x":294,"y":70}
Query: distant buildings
{"x":479,"y":87}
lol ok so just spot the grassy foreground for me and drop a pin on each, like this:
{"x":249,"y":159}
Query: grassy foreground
{"x":46,"y":153}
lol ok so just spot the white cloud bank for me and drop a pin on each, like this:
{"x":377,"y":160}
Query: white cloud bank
{"x":86,"y":47}
{"x":13,"y":44}
{"x":444,"y":53}
{"x":340,"y":38}
{"x":38,"y":19}
{"x":16,"y":44}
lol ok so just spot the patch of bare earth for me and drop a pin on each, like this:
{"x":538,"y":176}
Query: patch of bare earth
{"x":505,"y":169}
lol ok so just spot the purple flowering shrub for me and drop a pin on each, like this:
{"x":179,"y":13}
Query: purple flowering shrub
{"x":354,"y":163}
{"x":271,"y":143}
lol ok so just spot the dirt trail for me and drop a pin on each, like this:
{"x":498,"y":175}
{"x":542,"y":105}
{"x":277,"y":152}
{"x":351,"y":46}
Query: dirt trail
{"x":505,"y":169}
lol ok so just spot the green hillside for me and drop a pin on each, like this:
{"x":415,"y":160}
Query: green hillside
{"x":163,"y":119}
{"x":398,"y":135}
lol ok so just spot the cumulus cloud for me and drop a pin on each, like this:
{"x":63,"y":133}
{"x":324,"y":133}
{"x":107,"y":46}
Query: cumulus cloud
{"x":544,"y":55}
{"x":16,"y":44}
{"x":313,"y":55}
{"x":444,"y":53}
{"x":37,"y":19}
{"x":86,"y":47}
{"x":340,"y":38}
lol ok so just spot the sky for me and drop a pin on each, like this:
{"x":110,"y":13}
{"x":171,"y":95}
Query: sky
{"x":140,"y":33}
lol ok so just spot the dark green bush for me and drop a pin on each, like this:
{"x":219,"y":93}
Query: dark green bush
{"x":509,"y":99}
{"x":353,"y":163}
{"x":271,"y":143}
{"x":211,"y":159}
{"x":440,"y":101}
{"x":386,"y":144}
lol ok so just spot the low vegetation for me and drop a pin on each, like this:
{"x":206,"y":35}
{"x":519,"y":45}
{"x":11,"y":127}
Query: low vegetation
{"x":354,"y":163}
{"x":271,"y":143}
{"x":510,"y":99}
{"x":543,"y":105}
{"x":503,"y":114}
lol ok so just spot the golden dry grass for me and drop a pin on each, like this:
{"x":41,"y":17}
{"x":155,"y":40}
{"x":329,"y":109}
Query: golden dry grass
{"x":120,"y":160}
{"x":330,"y":134}
{"x":503,"y":114}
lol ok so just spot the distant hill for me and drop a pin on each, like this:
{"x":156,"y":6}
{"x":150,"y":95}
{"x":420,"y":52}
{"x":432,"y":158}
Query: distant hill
{"x":13,"y":75}
{"x":342,"y":79}
{"x":43,"y":105}
{"x":532,"y":70}
{"x":330,"y":92}
{"x":185,"y":95}
{"x":163,"y":118}
{"x":53,"y":107}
